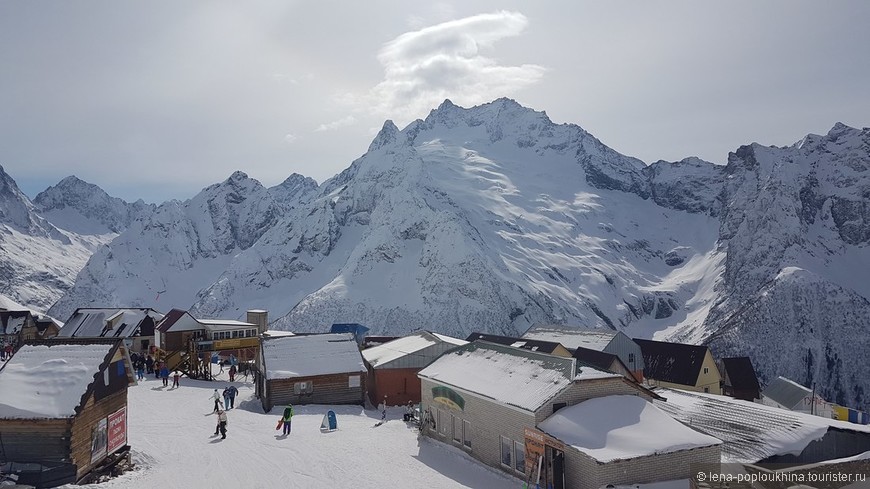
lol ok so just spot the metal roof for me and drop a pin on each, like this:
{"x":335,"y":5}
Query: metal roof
{"x":520,"y":378}
{"x":786,"y":392}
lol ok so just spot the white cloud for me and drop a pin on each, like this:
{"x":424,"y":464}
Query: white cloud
{"x":290,"y":138}
{"x":423,"y":67}
{"x":331,"y":126}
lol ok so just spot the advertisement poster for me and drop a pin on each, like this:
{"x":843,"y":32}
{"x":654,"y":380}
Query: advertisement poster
{"x":99,"y":437}
{"x":117,"y":430}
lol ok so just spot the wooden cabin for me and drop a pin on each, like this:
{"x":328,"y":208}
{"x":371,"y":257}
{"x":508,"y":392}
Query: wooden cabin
{"x":57,"y":433}
{"x":680,"y":366}
{"x":310,"y":369}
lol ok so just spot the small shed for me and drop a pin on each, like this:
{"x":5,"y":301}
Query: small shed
{"x":740,"y":379}
{"x":787,"y":394}
{"x":618,"y":440}
{"x":135,"y":325}
{"x":680,"y":366}
{"x":605,"y":340}
{"x":63,"y":409}
{"x":393,"y":366}
{"x":310,"y":369}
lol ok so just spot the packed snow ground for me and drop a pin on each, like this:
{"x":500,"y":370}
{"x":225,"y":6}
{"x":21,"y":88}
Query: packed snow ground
{"x":170,"y":432}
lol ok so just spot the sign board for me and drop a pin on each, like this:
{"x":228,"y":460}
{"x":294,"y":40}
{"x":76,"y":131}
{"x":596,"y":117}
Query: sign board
{"x":535,"y":443}
{"x":99,"y":437}
{"x":448,"y":397}
{"x":117,"y":430}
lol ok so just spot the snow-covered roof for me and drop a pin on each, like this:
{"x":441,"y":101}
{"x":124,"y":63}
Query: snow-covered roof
{"x":48,"y":381}
{"x":594,"y":338}
{"x":621,"y":427}
{"x":12,"y":322}
{"x":520,"y":378}
{"x":228,"y":324}
{"x":406,"y":345}
{"x":91,"y":322}
{"x":751,"y":431}
{"x":786,"y":392}
{"x":288,"y":357}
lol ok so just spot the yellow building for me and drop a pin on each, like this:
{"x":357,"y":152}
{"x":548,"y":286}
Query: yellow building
{"x":680,"y":366}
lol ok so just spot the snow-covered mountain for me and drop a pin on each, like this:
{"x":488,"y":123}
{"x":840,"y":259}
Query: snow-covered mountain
{"x":38,"y":261}
{"x":494,"y":218}
{"x":84,"y":208}
{"x":164,"y":259}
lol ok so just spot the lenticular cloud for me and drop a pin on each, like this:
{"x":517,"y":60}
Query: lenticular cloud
{"x":422,"y":68}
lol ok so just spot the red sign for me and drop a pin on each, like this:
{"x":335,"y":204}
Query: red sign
{"x":117,"y":429}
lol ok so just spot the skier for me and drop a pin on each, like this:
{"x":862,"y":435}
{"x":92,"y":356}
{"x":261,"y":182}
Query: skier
{"x":217,"y":400}
{"x":226,"y":394}
{"x":232,"y":392}
{"x":222,"y":424}
{"x":149,"y":363}
{"x":176,"y":376}
{"x":288,"y":417}
{"x":140,"y":369}
{"x":232,"y":373}
{"x":383,"y":408}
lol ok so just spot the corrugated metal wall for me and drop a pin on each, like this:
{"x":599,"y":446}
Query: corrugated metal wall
{"x":627,"y":350}
{"x":419,"y":359}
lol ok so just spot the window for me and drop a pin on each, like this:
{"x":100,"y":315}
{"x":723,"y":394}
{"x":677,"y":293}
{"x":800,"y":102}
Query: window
{"x":466,"y":433}
{"x":353,"y":381}
{"x":235,"y":334}
{"x":306,"y":387}
{"x":559,"y":405}
{"x":444,"y":424}
{"x":631,"y":358}
{"x":457,"y":429}
{"x":706,"y":389}
{"x":520,"y":456}
{"x":706,"y":370}
{"x":506,"y":445}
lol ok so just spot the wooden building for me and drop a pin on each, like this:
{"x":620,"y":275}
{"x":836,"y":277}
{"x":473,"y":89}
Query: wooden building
{"x":13,"y":325}
{"x":393,"y":366}
{"x":681,"y":366}
{"x":56,"y":433}
{"x":740,"y":379}
{"x":489,"y":399}
{"x":603,"y":340}
{"x":187,"y":343}
{"x":135,"y":325}
{"x":310,"y":369}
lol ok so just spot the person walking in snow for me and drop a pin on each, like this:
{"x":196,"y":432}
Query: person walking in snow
{"x":149,"y":363}
{"x":232,"y":373}
{"x":221,"y":424}
{"x":140,"y":369}
{"x":164,"y":374}
{"x":232,"y":392}
{"x":226,"y":394}
{"x":217,"y":400}
{"x":383,"y":409}
{"x":287,"y":418}
{"x":176,"y":376}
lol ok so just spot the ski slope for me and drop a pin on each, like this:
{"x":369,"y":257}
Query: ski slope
{"x":171,"y":436}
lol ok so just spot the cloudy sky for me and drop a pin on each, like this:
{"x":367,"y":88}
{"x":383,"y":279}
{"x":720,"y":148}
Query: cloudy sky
{"x":158,"y":99}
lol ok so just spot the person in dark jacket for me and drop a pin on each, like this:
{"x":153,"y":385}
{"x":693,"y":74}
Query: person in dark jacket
{"x":232,"y":392}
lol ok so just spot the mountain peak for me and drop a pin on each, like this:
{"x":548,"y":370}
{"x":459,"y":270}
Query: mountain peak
{"x":387,"y":135}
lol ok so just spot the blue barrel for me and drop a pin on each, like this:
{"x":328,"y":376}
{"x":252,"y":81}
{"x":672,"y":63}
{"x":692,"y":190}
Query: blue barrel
{"x":854,"y":416}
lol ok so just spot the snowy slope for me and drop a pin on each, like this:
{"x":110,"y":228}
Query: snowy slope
{"x":170,"y":433}
{"x":38,"y":261}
